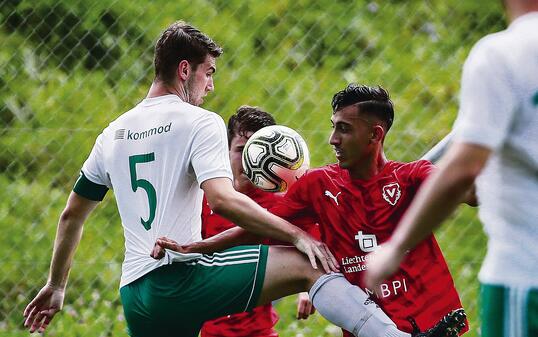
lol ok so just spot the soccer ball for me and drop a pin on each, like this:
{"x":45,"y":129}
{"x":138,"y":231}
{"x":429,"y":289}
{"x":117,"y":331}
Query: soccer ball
{"x":274,"y":157}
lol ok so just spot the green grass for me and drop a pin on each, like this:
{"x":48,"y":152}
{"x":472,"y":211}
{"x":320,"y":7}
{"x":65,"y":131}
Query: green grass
{"x":69,"y":67}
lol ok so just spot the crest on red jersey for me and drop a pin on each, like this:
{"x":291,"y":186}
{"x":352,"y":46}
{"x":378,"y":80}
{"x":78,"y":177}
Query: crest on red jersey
{"x":392,"y":193}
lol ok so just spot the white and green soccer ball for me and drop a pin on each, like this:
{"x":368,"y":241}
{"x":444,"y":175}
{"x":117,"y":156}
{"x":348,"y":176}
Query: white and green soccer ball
{"x":274,"y":158}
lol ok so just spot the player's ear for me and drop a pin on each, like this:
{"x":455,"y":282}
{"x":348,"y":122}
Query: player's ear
{"x":377,"y":135}
{"x":183,"y":70}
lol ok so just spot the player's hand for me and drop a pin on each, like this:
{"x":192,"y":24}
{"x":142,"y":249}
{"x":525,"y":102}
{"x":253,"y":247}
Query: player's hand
{"x":305,"y":307}
{"x":384,"y":262}
{"x":40,"y":311}
{"x":315,"y":249}
{"x":163,"y":243}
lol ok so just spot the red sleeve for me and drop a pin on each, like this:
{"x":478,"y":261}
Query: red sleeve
{"x":296,"y":205}
{"x":277,"y":204}
{"x":205,"y":213}
{"x":421,"y":170}
{"x":310,"y":227}
{"x":212,"y":223}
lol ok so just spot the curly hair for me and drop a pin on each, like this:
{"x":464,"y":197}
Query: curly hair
{"x":248,"y":119}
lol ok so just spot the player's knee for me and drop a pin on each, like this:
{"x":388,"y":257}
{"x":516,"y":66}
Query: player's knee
{"x":295,"y":266}
{"x":306,"y":276}
{"x":312,"y":277}
{"x":309,"y":275}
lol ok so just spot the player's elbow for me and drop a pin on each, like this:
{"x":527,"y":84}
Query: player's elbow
{"x":220,"y":195}
{"x":70,"y":215}
{"x":74,"y":212}
{"x":471,"y":198}
{"x":221,"y":203}
{"x":67,"y":215}
{"x":230,"y":205}
{"x":70,"y":220}
{"x":218,"y":204}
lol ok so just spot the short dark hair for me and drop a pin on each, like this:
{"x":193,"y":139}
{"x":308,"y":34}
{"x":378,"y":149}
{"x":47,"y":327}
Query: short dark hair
{"x":181,"y":41}
{"x":248,"y":119}
{"x":373,"y":101}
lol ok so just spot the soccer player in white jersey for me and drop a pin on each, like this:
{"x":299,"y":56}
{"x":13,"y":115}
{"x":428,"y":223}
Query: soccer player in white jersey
{"x":158,"y":157}
{"x":495,"y":141}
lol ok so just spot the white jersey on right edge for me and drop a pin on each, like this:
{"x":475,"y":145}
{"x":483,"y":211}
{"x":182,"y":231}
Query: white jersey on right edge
{"x":155,"y":156}
{"x":499,"y":110}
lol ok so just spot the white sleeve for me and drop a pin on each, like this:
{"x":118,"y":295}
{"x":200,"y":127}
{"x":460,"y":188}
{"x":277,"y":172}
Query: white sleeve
{"x":209,"y":151}
{"x":93,"y":168}
{"x":487,"y":99}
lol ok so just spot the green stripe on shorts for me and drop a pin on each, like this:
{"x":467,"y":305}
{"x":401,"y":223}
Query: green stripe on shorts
{"x":260,"y":277}
{"x":509,"y":311}
{"x":175,"y":299}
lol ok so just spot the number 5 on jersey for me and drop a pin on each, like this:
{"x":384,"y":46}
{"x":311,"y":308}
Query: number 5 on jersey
{"x":144,"y":184}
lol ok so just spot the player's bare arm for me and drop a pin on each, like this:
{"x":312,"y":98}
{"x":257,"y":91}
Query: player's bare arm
{"x":232,"y":237}
{"x":470,"y":197}
{"x":436,"y":153}
{"x":40,"y":311}
{"x":441,"y":194}
{"x":243,"y":211}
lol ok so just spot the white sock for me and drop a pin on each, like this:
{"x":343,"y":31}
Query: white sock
{"x":348,"y":307}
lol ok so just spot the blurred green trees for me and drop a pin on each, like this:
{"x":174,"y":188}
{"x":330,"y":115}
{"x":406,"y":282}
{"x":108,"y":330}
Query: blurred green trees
{"x":69,"y":67}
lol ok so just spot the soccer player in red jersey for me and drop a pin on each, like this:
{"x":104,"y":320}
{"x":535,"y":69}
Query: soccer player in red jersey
{"x":261,"y":320}
{"x":359,"y":201}
{"x":357,"y":204}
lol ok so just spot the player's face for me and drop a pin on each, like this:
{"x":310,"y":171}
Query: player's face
{"x":350,"y":137}
{"x":241,"y":182}
{"x":200,"y":82}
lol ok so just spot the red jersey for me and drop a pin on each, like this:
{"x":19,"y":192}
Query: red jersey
{"x":213,"y":224}
{"x":260,"y":321}
{"x":355,"y":216}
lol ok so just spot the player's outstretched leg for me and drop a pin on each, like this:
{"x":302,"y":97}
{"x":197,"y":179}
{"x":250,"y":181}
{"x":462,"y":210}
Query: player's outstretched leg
{"x":288,"y":271}
{"x":448,"y":326}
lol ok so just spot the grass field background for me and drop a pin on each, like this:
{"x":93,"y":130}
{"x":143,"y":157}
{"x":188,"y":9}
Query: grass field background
{"x":67,"y":68}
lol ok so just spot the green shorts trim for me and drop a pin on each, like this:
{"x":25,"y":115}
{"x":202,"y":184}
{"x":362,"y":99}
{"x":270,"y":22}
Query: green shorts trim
{"x":175,"y":299}
{"x":509,"y":311}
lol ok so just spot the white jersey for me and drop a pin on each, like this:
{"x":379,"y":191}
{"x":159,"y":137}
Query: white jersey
{"x":499,"y":110}
{"x":155,"y":157}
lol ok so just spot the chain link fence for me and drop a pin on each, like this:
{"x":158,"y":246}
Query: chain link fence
{"x":68,"y":67}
